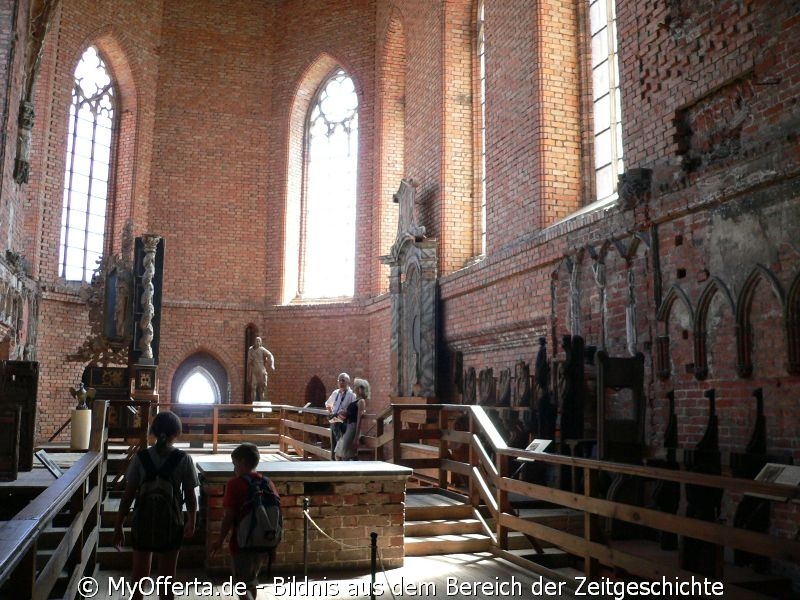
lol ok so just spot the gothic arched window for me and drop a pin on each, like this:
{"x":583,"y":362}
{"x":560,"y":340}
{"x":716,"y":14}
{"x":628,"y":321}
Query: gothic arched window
{"x":92,"y":121}
{"x":329,"y":201}
{"x":199,"y":388}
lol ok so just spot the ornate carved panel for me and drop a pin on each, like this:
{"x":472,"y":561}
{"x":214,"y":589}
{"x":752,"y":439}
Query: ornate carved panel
{"x":412,"y":285}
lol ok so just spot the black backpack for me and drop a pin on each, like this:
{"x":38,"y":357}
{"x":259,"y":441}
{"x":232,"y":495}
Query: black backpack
{"x":260,"y":527}
{"x":157,"y":515}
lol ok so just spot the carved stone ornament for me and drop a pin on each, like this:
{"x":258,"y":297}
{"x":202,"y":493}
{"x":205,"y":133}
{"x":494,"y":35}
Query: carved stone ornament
{"x":412,"y":285}
{"x":634,"y":186}
{"x":24,"y":136}
{"x":407,"y":225}
{"x":109,"y":309}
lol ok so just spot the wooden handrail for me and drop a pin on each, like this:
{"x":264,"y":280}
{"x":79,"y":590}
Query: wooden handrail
{"x":20,"y":534}
{"x":488,"y":470}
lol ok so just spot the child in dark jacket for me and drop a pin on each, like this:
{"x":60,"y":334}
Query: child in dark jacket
{"x":245,"y":565}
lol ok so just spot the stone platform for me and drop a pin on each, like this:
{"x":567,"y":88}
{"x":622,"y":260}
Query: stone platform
{"x":347,"y":502}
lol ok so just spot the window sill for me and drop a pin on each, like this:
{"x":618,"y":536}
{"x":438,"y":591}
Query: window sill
{"x":603,"y":204}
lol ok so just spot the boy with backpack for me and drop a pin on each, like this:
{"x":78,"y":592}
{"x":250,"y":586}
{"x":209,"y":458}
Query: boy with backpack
{"x":160,"y":478}
{"x":253,"y":514}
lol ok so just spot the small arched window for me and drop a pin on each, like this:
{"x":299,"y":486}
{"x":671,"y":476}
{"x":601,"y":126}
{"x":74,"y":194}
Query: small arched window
{"x":88,"y":166}
{"x":200,"y":379}
{"x":329,"y":207}
{"x":199,"y":388}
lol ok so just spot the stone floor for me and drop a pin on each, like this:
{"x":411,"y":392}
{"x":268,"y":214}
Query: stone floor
{"x":455,"y":576}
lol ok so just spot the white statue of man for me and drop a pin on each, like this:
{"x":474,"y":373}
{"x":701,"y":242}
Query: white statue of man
{"x":257,"y":376}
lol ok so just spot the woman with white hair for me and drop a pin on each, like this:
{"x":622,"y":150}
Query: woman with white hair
{"x":347,"y":447}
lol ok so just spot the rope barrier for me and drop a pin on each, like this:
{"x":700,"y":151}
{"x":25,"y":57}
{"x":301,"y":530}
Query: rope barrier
{"x":342,"y":544}
{"x":373,"y":547}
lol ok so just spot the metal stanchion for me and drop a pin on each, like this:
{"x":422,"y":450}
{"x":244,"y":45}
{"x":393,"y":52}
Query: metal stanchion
{"x":374,"y":557}
{"x":306,"y":503}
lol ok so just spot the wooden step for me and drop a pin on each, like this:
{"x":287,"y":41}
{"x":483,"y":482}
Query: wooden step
{"x":441,"y":527}
{"x":564,"y":519}
{"x":426,"y":505}
{"x":446,"y":544}
{"x":110,"y":558}
{"x":107,"y":536}
{"x":434,"y":513}
{"x":552,"y":558}
{"x":520,"y":541}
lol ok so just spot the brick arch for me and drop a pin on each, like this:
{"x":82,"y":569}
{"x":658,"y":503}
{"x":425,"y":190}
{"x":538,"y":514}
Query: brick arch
{"x":391,"y":110}
{"x":744,"y":328}
{"x":675,"y":295}
{"x":793,"y":326}
{"x":211,"y":366}
{"x":316,"y":393}
{"x":560,"y":299}
{"x":715,"y":287}
{"x":168,"y":369}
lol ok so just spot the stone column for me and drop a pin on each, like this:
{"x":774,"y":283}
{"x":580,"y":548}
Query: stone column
{"x":146,"y":298}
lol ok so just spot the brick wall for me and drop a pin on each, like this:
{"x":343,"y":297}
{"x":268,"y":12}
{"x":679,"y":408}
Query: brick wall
{"x":347,"y":511}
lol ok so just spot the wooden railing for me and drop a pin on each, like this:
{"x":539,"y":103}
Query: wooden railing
{"x":221,"y":423}
{"x":300,"y":431}
{"x":49,"y":545}
{"x":474,"y":459}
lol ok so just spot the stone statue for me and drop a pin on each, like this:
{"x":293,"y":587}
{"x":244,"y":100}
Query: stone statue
{"x":257,"y":356}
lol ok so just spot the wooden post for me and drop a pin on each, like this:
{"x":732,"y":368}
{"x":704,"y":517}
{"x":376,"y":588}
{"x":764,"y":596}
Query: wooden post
{"x":590,"y":525}
{"x":99,"y":434}
{"x":396,"y":427}
{"x":23,"y":578}
{"x":503,"y":464}
{"x":443,"y":445}
{"x":214,"y":427}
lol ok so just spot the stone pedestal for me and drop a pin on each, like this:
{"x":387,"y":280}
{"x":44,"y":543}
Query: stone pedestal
{"x":348,"y":501}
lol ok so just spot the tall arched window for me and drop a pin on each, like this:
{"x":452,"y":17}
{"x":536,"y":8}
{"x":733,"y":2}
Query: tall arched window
{"x":606,"y":97}
{"x":329,"y":211}
{"x":481,"y":50}
{"x":86,"y":177}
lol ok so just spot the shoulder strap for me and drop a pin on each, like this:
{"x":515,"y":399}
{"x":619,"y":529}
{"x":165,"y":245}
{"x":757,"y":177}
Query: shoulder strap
{"x":172,"y":461}
{"x":147,"y":462}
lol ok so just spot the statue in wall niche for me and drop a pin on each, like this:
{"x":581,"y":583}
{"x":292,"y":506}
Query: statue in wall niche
{"x":486,"y":393}
{"x":470,"y":377}
{"x":504,"y":395}
{"x":522,"y":374}
{"x":122,"y":306}
{"x":546,"y":408}
{"x":570,"y":387}
{"x":257,"y":375}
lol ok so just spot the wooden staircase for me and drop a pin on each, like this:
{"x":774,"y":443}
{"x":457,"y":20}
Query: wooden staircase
{"x":439,"y":523}
{"x":108,"y":557}
{"x":192,"y":552}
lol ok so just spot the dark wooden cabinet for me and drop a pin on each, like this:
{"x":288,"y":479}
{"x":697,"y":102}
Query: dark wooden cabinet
{"x":19,"y":380}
